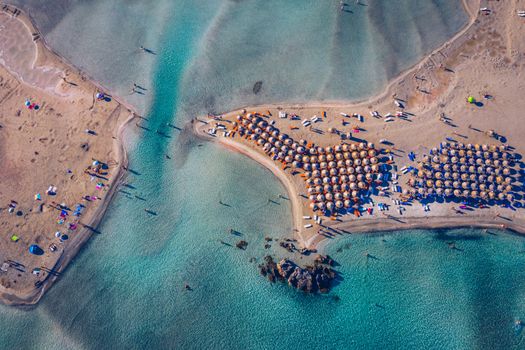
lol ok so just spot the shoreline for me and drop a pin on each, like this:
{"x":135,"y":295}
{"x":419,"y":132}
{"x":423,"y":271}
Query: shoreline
{"x":78,"y":241}
{"x":376,"y":224}
{"x":373,"y":225}
{"x":385,"y":92}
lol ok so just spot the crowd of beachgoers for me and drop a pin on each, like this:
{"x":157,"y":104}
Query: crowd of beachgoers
{"x":339,"y":179}
{"x":60,"y":157}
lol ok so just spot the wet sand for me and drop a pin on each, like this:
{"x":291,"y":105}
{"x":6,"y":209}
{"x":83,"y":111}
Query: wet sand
{"x":486,"y":58}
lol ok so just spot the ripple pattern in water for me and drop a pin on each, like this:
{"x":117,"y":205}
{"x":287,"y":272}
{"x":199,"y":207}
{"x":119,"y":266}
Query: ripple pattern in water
{"x":304,"y":50}
{"x":126,"y":288}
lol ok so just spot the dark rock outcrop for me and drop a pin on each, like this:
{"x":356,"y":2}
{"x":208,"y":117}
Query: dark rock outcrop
{"x":311,"y":279}
{"x":242,"y":245}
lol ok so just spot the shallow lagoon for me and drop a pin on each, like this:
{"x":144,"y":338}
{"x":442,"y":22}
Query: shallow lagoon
{"x":126,"y":287}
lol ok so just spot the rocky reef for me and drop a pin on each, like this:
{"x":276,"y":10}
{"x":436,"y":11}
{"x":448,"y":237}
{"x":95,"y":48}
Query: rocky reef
{"x":310,"y":279}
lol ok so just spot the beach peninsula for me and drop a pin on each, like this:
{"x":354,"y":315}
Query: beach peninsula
{"x":441,"y":146}
{"x":61,"y":156}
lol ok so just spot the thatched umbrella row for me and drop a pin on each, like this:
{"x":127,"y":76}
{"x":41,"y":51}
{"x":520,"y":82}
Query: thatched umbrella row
{"x":468,"y":171}
{"x":335,"y":176}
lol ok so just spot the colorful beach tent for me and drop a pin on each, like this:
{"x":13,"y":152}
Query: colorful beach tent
{"x":36,"y":250}
{"x":471,"y":99}
{"x":14,"y":238}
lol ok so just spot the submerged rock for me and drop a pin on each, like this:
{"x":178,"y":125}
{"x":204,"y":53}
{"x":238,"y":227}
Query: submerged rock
{"x":242,"y":245}
{"x":257,"y":87}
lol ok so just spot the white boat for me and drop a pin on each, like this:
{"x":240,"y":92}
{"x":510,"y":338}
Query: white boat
{"x":389,"y":119}
{"x":308,"y":226}
{"x":344,"y":114}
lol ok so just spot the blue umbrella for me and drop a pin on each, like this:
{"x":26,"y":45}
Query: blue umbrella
{"x":36,"y":250}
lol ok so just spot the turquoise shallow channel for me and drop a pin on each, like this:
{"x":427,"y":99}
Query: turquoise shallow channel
{"x":126,"y":288}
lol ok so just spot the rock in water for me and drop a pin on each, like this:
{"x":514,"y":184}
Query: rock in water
{"x":242,"y":245}
{"x":257,"y":87}
{"x":311,"y":279}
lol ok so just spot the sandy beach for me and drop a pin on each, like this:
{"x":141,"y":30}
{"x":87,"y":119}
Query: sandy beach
{"x":484,"y":60}
{"x":62,"y":159}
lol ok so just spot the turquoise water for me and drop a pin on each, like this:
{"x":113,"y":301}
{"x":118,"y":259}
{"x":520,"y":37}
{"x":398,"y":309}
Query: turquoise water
{"x":126,"y":288}
{"x":415,"y":293}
